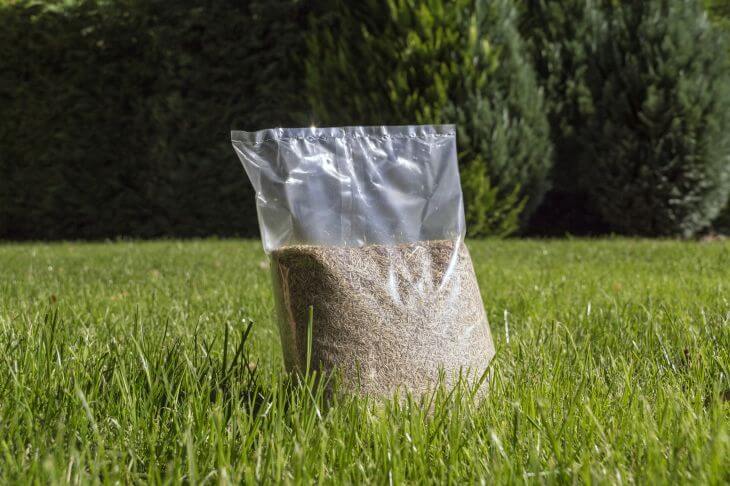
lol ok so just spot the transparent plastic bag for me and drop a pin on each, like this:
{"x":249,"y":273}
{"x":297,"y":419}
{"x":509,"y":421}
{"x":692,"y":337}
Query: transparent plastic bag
{"x":365,"y":226}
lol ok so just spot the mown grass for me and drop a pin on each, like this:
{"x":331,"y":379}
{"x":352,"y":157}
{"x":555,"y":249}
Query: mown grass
{"x":122,"y":362}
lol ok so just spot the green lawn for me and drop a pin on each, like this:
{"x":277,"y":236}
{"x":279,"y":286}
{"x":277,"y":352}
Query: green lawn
{"x":612,"y":366}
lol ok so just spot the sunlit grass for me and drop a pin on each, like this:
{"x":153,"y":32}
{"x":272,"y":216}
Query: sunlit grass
{"x":130,"y":362}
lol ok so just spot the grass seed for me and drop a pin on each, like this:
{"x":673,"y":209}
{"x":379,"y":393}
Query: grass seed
{"x":386,"y":318}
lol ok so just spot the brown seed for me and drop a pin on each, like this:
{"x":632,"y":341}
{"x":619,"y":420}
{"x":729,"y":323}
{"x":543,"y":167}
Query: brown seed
{"x":386,"y":318}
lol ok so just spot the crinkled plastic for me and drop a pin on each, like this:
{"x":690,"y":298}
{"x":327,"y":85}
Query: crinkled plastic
{"x":365,"y":226}
{"x":354,"y":186}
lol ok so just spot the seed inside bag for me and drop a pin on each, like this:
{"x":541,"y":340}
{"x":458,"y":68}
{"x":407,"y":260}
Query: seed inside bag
{"x":387,"y":317}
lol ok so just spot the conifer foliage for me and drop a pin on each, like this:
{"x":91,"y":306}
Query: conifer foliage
{"x":657,"y":147}
{"x":562,"y":36}
{"x":438,"y":61}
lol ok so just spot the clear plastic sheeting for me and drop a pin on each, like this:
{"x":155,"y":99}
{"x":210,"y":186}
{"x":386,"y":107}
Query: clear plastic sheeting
{"x":354,"y":186}
{"x":365,"y":229}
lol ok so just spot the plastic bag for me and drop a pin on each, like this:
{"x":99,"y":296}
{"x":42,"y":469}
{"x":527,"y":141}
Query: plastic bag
{"x":365,"y":226}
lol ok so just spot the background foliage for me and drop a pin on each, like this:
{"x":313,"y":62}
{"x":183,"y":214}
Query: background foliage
{"x":719,"y":11}
{"x":562,"y":38}
{"x":438,"y":62}
{"x":658,"y":143}
{"x":638,"y":102}
{"x":117,"y":112}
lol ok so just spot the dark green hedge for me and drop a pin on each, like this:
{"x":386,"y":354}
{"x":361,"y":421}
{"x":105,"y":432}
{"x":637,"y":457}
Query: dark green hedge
{"x":116,"y":115}
{"x":119,"y":111}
